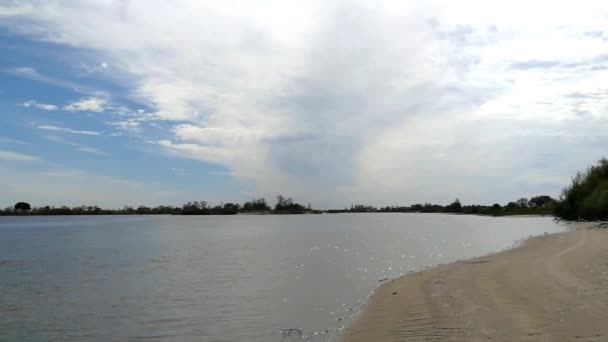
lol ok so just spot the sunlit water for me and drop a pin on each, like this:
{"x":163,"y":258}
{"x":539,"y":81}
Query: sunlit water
{"x":222,"y":278}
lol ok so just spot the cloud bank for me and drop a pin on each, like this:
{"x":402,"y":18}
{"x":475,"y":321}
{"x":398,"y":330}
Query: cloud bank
{"x":67,"y":130}
{"x":17,"y":157}
{"x":363,"y":101}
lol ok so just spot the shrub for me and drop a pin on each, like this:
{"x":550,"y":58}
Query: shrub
{"x":587,"y":196}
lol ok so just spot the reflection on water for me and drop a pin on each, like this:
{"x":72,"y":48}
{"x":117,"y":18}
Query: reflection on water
{"x":237,"y":278}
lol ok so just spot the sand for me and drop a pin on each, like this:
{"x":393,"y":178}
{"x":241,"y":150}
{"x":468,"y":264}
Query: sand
{"x":550,"y":288}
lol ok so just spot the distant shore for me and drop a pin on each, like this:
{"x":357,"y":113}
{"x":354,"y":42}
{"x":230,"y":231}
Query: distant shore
{"x":550,"y":288}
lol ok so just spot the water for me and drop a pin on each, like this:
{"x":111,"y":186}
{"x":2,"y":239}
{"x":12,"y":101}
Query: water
{"x":224,"y":278}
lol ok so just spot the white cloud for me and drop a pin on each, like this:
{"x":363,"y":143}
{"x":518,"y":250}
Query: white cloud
{"x":14,"y":141}
{"x":179,"y":171}
{"x":355,"y":100}
{"x":67,"y":130}
{"x":78,"y":146}
{"x":38,"y":105}
{"x":126,"y":111}
{"x":130,"y":125}
{"x":35,"y":75}
{"x":18,"y":157}
{"x":94,"y":68}
{"x":90,"y":104}
{"x":87,"y":149}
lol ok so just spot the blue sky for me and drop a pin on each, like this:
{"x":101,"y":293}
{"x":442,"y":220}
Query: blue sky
{"x":333,"y":103}
{"x":64,"y":128}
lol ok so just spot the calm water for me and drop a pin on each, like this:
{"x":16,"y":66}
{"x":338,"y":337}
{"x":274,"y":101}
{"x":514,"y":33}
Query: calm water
{"x":230,"y":278}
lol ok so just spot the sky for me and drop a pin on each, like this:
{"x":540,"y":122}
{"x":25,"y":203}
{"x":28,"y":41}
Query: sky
{"x":149,"y":102}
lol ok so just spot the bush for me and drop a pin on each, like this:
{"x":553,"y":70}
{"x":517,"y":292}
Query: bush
{"x":587,"y":196}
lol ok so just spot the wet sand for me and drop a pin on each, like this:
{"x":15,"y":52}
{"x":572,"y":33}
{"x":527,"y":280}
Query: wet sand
{"x":550,"y":288}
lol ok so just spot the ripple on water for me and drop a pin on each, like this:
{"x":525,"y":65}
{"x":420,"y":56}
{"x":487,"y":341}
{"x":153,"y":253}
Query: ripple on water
{"x":221,"y":278}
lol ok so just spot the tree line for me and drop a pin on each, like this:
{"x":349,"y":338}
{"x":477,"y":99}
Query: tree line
{"x":538,"y":205}
{"x":586,"y":198}
{"x":284,"y":205}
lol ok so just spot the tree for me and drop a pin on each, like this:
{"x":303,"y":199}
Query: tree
{"x":195,"y":208}
{"x":455,"y":206}
{"x":288,"y":206}
{"x":257,"y":204}
{"x":416,"y":207}
{"x":522,"y":202}
{"x":143,"y":210}
{"x":495,"y":206}
{"x":283,"y":203}
{"x":587,"y":196}
{"x":540,"y":201}
{"x":512,"y":205}
{"x":230,"y":209}
{"x":23,"y":206}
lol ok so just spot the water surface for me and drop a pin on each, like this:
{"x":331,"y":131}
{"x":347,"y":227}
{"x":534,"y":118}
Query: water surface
{"x":220,"y":278}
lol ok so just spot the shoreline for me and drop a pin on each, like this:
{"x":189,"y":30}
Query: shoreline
{"x":545,"y":288}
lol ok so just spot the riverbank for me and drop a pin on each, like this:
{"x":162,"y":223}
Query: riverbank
{"x":550,"y":288}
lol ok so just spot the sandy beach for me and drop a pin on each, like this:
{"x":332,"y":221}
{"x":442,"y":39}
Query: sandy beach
{"x":550,"y":288}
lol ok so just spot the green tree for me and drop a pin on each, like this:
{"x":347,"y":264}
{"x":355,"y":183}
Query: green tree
{"x":540,"y":201}
{"x":455,"y":207}
{"x":230,"y":209}
{"x":257,"y":204}
{"x":522,"y":202}
{"x":587,"y":195}
{"x":23,"y":207}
